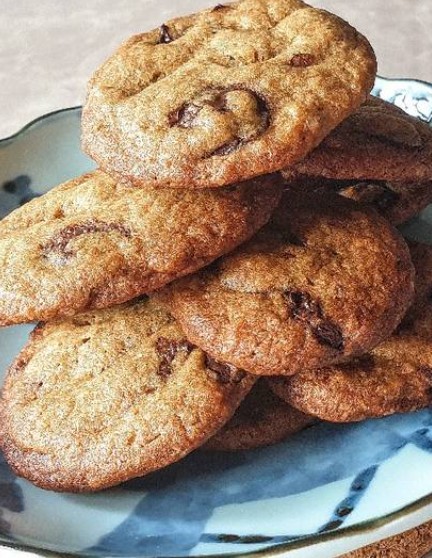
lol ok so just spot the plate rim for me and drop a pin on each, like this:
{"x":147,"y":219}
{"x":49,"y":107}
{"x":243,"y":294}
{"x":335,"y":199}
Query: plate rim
{"x":363,"y":527}
{"x":275,"y":551}
{"x":421,"y":82}
{"x":16,"y":135}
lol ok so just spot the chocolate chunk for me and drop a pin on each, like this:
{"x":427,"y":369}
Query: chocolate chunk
{"x":219,"y":7}
{"x":184,"y":117}
{"x":167,"y":350}
{"x":302,"y":60}
{"x":328,"y":333}
{"x":302,"y":307}
{"x":226,"y":373}
{"x":217,"y":99}
{"x":59,"y":243}
{"x":219,"y":102}
{"x":227,"y":148}
{"x":165,"y":35}
{"x":263,"y":109}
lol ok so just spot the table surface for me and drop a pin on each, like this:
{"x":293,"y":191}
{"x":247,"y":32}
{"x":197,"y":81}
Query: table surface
{"x":48,"y":50}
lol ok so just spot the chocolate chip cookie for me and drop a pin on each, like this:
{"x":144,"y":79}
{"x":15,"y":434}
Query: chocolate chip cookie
{"x":378,"y":141}
{"x":226,"y":94}
{"x":379,"y":155}
{"x":261,"y":420}
{"x":395,"y":377}
{"x":324,"y":281}
{"x":94,"y":242}
{"x":396,"y":201}
{"x":107,"y":396}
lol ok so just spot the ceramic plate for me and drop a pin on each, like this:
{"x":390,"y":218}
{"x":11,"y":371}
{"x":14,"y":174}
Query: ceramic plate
{"x":324,"y":484}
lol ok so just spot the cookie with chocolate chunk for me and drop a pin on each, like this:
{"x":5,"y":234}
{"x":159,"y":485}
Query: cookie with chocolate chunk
{"x":261,"y":420}
{"x":324,"y":281}
{"x":379,"y":156}
{"x":98,"y":399}
{"x":226,"y":94}
{"x":378,"y":141}
{"x":396,"y":201}
{"x":395,"y":377}
{"x":93,"y":242}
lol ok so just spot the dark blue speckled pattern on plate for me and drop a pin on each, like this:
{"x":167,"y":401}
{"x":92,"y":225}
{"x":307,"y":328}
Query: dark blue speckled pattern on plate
{"x":321,"y":481}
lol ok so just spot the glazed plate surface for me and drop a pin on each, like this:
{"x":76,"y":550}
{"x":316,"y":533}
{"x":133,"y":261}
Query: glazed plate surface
{"x":324,"y":485}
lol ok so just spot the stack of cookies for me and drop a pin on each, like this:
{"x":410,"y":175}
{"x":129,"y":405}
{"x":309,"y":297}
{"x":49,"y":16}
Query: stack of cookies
{"x":231,"y":273}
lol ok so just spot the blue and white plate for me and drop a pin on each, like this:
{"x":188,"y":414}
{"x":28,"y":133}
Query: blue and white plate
{"x":321,"y":493}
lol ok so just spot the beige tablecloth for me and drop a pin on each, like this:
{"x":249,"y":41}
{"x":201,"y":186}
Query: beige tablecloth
{"x":49,"y":48}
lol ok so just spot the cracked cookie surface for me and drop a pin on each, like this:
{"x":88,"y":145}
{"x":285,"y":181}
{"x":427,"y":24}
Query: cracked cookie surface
{"x":261,"y":420}
{"x":325,"y":280}
{"x":93,"y":242}
{"x":232,"y":92}
{"x":107,"y":396}
{"x":395,"y":377}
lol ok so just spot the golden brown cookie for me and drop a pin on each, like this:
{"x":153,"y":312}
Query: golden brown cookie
{"x":324,"y":281}
{"x":261,"y":420}
{"x":107,"y":396}
{"x":395,"y":377}
{"x":93,"y":242}
{"x":396,"y":201}
{"x":379,"y":141}
{"x":226,"y":94}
